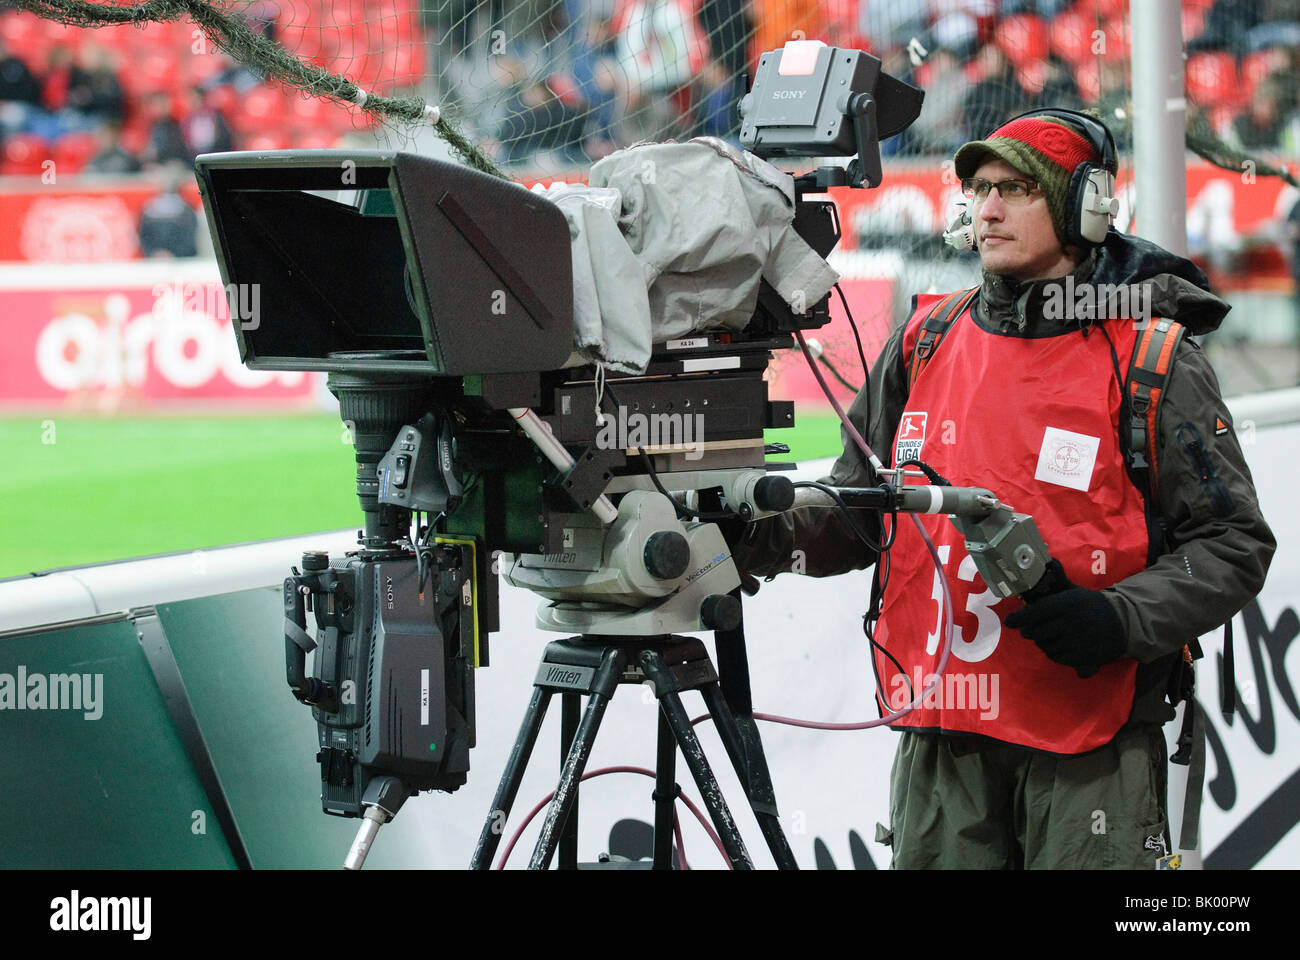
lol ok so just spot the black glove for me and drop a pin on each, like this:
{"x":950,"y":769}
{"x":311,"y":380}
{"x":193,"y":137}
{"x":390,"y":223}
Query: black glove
{"x":1074,"y":626}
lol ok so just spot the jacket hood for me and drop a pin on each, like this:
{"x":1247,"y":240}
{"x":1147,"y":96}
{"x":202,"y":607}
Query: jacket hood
{"x":1178,"y":289}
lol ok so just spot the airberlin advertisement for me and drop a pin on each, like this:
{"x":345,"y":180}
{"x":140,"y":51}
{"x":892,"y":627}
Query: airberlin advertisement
{"x":143,"y":335}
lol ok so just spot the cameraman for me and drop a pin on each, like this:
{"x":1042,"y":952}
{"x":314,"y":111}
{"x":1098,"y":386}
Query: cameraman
{"x":1028,"y":400}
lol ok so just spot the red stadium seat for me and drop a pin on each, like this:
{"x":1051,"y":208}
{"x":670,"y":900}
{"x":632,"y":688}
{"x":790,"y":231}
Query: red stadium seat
{"x":73,"y":151}
{"x":1022,"y":38}
{"x":266,"y":141}
{"x":1116,"y":36}
{"x":1088,"y":80}
{"x":1221,"y":118}
{"x":152,"y":36}
{"x":308,"y":112}
{"x":1193,"y":21}
{"x":201,"y":68}
{"x":1071,"y":36}
{"x":61,"y":35}
{"x":261,"y":109}
{"x":1032,"y":76}
{"x":1212,"y":79}
{"x":224,"y":99}
{"x":1103,"y":9}
{"x":316,"y":140}
{"x":23,"y":155}
{"x":19,"y":30}
{"x":156,"y":71}
{"x":1258,"y":65}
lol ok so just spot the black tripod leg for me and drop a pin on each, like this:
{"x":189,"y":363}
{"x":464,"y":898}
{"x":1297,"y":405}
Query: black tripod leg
{"x":570,"y":707}
{"x":566,"y":793}
{"x":665,"y":794}
{"x":671,"y":705}
{"x":513,"y":775}
{"x":740,"y":738}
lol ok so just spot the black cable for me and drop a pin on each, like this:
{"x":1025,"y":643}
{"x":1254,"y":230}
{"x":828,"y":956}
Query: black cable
{"x":837,"y":375}
{"x":931,"y":474}
{"x":683,"y":511}
{"x":844,"y":508}
{"x":862,"y":356}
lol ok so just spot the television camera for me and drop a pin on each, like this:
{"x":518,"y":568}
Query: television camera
{"x":440,"y":302}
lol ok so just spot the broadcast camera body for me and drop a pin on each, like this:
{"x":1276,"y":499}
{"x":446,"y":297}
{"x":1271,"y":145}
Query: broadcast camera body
{"x":440,"y":301}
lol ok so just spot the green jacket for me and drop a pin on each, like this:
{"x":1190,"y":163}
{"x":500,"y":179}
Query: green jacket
{"x":1216,"y":563}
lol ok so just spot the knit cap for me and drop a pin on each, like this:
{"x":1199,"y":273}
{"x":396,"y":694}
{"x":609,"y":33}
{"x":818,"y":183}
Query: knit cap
{"x":1046,"y":149}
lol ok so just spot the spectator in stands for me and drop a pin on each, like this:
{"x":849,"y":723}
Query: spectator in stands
{"x":534,"y":119}
{"x":726,"y":26}
{"x":590,"y":43}
{"x":111,"y":157}
{"x":166,"y":142}
{"x":1059,"y":89}
{"x":169,"y":225}
{"x":62,"y":77}
{"x":1261,"y":124}
{"x":941,"y":125}
{"x":100,"y":95}
{"x":996,"y":98}
{"x":17,"y":82}
{"x":1116,"y":102}
{"x":203,"y":127}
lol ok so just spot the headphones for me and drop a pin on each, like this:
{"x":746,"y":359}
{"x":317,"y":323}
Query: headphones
{"x":1090,"y":202}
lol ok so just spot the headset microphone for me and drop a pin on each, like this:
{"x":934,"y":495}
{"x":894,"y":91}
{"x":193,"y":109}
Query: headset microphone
{"x":960,"y":234}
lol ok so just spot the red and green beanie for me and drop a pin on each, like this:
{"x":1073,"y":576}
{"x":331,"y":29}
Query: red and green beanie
{"x":1044,"y":148}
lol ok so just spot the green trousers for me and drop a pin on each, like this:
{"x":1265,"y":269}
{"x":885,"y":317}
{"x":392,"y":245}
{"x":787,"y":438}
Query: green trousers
{"x":964,"y":803}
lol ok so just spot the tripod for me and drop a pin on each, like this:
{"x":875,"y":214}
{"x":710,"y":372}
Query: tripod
{"x":596,"y":665}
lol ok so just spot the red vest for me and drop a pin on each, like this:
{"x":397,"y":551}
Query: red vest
{"x":1037,"y":422}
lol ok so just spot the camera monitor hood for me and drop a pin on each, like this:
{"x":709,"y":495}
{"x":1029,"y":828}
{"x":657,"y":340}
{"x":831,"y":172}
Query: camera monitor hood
{"x":389,"y":261}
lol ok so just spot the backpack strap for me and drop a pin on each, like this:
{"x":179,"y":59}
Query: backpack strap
{"x":1148,"y":374}
{"x":935,"y":327}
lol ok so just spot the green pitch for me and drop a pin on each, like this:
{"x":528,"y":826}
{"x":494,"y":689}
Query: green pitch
{"x":84,"y":490}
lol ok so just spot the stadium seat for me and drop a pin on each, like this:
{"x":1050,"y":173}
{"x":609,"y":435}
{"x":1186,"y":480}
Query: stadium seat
{"x":316,"y":140}
{"x":1032,"y":76}
{"x":262,"y":108}
{"x":266,"y":141}
{"x":24,"y":38}
{"x":1102,"y":9}
{"x":73,"y":151}
{"x":1117,"y":34}
{"x":1193,"y":21}
{"x":154,"y":71}
{"x":1022,"y":38}
{"x":61,"y":35}
{"x":1258,"y":65}
{"x":1212,"y":79}
{"x":224,"y":99}
{"x":1071,"y":36}
{"x":23,"y":155}
{"x":1088,"y":80}
{"x":202,"y":68}
{"x":152,"y":37}
{"x":308,"y":112}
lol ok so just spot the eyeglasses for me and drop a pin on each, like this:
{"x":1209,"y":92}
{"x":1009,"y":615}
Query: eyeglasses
{"x":1012,"y":191}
